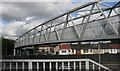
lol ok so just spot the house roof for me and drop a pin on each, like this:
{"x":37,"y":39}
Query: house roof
{"x":84,"y":46}
{"x":64,"y":46}
{"x":115,"y":45}
{"x":95,"y":46}
{"x":88,"y":46}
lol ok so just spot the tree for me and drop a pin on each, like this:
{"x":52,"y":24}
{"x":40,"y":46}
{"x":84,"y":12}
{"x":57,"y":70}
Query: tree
{"x":7,"y":46}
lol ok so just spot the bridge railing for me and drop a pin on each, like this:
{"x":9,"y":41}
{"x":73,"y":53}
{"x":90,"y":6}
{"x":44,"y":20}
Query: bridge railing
{"x":91,"y":33}
{"x":49,"y":64}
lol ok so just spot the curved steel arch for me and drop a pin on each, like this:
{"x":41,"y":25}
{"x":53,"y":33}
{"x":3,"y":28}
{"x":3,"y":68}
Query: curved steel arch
{"x":97,"y":23}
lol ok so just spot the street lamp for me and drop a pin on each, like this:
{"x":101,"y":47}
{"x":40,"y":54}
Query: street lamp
{"x":99,"y":52}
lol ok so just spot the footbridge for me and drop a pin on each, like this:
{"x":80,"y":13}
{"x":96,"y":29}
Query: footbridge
{"x":90,"y":21}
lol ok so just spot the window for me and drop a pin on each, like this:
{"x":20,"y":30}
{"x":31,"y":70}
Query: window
{"x":86,"y":51}
{"x":90,"y":50}
{"x":114,"y":50}
{"x":106,"y":50}
{"x":63,"y":51}
{"x":69,"y":51}
{"x":118,"y":50}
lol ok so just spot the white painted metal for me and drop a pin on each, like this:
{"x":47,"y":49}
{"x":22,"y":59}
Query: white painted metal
{"x":57,"y":35}
{"x":10,"y":66}
{"x":65,"y":26}
{"x":63,"y":61}
{"x":80,"y":66}
{"x":62,"y":65}
{"x":99,"y":68}
{"x":93,"y":67}
{"x":3,"y":65}
{"x":56,"y":65}
{"x":23,"y":65}
{"x":37,"y":65}
{"x":69,"y":65}
{"x":29,"y":64}
{"x":99,"y":65}
{"x":87,"y":65}
{"x":113,"y":28}
{"x":16,"y":65}
{"x":87,"y":22}
{"x":43,"y":65}
{"x":76,"y":30}
{"x":74,"y":65}
{"x":60,"y":35}
{"x":50,"y":67}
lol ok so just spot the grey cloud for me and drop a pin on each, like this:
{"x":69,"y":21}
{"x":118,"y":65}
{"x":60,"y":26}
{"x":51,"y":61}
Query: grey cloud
{"x":20,"y":31}
{"x":21,"y":10}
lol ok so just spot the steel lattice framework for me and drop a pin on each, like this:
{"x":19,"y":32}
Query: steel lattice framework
{"x":90,"y":21}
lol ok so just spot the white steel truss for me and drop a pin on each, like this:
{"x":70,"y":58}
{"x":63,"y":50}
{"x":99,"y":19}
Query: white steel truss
{"x":97,"y":22}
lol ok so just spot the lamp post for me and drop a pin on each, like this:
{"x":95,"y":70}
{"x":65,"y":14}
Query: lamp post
{"x":99,"y":52}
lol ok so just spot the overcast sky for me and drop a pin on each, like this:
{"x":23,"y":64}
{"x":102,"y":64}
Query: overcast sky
{"x":14,"y":14}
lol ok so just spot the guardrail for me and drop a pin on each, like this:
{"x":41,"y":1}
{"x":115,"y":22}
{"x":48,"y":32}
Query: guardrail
{"x":49,"y":64}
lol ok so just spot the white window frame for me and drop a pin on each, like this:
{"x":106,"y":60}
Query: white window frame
{"x":112,"y":51}
{"x":89,"y":51}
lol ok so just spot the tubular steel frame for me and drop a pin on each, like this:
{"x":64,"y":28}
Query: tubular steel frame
{"x":70,"y":29}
